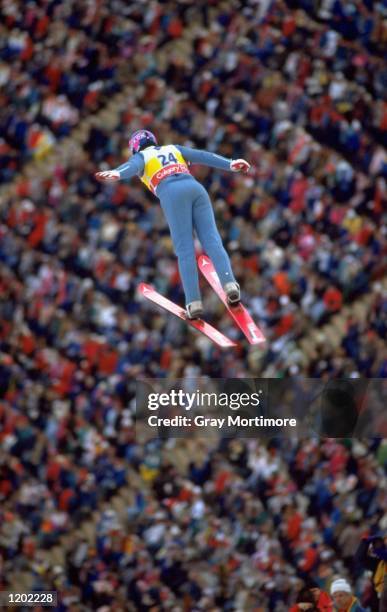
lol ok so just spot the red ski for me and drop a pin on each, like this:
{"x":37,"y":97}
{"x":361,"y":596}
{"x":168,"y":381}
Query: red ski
{"x":239,"y":313}
{"x":213,"y":334}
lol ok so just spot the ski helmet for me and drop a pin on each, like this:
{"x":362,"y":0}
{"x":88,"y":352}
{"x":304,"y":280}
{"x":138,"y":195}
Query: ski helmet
{"x":141,"y":139}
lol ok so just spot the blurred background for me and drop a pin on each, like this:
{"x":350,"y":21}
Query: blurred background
{"x":299,"y":90}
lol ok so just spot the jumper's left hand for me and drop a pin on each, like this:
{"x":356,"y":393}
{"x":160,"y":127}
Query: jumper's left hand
{"x":109,"y":176}
{"x":240,"y":165}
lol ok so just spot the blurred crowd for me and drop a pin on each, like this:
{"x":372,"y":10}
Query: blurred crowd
{"x":248,"y":526}
{"x":57,"y":62}
{"x":302,"y":96}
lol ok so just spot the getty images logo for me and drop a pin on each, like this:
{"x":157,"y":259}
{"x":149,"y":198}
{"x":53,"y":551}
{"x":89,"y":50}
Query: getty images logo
{"x":200,"y":399}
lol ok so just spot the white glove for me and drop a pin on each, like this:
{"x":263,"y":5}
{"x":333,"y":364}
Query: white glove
{"x":239,"y":165}
{"x":109,"y":176}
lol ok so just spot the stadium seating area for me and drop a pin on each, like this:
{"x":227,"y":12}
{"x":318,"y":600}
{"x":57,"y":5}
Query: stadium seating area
{"x":298,"y":89}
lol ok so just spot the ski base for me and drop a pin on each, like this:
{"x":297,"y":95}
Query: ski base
{"x":239,"y":313}
{"x":205,"y":328}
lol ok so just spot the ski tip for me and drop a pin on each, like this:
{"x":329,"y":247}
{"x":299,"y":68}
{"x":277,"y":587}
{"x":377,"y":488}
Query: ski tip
{"x":143,"y":288}
{"x":203,"y":260}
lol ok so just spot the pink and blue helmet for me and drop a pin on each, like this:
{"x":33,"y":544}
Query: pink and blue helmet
{"x":140,"y":139}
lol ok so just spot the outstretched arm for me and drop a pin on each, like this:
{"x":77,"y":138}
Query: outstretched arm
{"x":133,"y":167}
{"x":213,"y":160}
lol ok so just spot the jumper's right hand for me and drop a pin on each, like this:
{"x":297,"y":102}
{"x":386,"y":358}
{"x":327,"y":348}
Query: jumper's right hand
{"x":240,"y":165}
{"x":108,"y":176}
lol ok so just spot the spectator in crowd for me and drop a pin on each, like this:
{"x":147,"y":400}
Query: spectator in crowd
{"x":371,"y":554}
{"x":342,"y":596}
{"x":321,"y":598}
{"x":305,"y":601}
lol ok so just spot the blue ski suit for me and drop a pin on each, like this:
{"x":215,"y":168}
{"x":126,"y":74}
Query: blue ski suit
{"x":186,"y":206}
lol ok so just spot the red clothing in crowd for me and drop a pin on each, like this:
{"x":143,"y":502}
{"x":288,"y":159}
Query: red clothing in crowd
{"x":324,"y":603}
{"x":285,"y":324}
{"x":293,"y":526}
{"x":282,"y":283}
{"x":333,"y":299}
{"x":309,"y":560}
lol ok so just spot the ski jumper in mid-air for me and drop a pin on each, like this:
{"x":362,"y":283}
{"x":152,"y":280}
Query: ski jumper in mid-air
{"x":186,"y":206}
